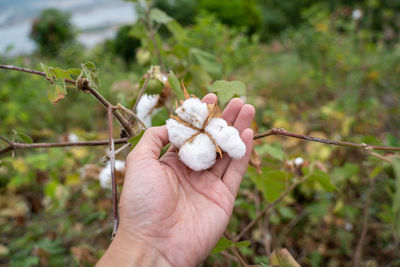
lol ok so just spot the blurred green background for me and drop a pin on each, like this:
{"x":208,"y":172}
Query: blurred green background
{"x":329,"y":69}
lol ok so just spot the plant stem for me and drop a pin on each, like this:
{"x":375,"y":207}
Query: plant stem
{"x":150,"y":30}
{"x":15,"y":145}
{"x":283,"y":132}
{"x":358,"y":253}
{"x":111,"y":155}
{"x":141,"y":92}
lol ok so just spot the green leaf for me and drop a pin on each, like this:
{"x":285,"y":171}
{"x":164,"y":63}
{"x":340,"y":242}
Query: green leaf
{"x":91,"y":72}
{"x":23,"y":137}
{"x":273,"y":151}
{"x":226,"y":90}
{"x":46,"y":69}
{"x":55,"y":93}
{"x":176,"y":87}
{"x":242,"y":244}
{"x":57,"y":88}
{"x":177,"y":30}
{"x":323,"y":179}
{"x":159,"y":16}
{"x":206,"y":60}
{"x":135,"y":140}
{"x":222,"y":244}
{"x":74,"y":72}
{"x":272,"y":183}
{"x":60,"y":73}
{"x":225,"y":243}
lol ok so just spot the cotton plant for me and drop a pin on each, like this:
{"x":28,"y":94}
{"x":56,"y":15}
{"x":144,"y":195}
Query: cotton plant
{"x":200,"y":135}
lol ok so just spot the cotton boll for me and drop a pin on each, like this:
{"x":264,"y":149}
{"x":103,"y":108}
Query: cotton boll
{"x":193,"y":111}
{"x":226,"y":137}
{"x":298,"y":161}
{"x":215,"y":125}
{"x":199,"y":154}
{"x":105,"y":174}
{"x":179,"y":133}
{"x":145,"y":108}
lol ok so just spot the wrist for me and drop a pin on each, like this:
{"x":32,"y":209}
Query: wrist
{"x":126,"y":250}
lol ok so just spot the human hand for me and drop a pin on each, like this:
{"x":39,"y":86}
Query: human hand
{"x":170,"y":214}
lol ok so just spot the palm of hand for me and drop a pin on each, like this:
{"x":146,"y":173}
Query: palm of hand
{"x":180,"y":212}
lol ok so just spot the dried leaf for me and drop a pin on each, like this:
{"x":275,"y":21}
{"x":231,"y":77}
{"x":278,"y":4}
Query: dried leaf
{"x":283,"y":258}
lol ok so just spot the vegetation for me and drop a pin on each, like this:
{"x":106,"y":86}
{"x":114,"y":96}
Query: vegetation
{"x":320,"y":72}
{"x":51,"y":30}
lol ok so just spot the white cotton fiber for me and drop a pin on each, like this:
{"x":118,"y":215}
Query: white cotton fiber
{"x":179,"y":133}
{"x":193,"y":111}
{"x":226,"y":137}
{"x":145,"y":108}
{"x":199,"y":154}
{"x":105,"y":174}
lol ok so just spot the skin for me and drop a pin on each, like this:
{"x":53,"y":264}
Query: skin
{"x":169,"y":214}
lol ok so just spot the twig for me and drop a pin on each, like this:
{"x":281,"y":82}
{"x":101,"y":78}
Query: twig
{"x":358,"y":253}
{"x":15,"y":145}
{"x":150,"y":30}
{"x":276,"y":131}
{"x":119,"y":150}
{"x":229,"y":256}
{"x":141,"y":92}
{"x":132,"y":115}
{"x":239,"y":257}
{"x":6,"y":140}
{"x":91,"y":90}
{"x":112,"y":167}
{"x":379,"y":156}
{"x":269,"y":207}
{"x":242,"y":262}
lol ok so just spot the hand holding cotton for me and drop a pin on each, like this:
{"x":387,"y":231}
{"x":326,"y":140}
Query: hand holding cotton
{"x":199,"y":136}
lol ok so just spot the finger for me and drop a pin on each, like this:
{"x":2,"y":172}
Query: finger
{"x":232,"y":110}
{"x":210,"y":98}
{"x":242,"y":122}
{"x":150,"y":145}
{"x":236,"y":169}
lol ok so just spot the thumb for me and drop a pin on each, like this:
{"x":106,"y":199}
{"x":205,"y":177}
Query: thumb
{"x":150,"y":145}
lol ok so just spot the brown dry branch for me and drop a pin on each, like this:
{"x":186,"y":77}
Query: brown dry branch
{"x":269,"y":207}
{"x":112,"y":167}
{"x":91,"y":90}
{"x":283,"y":132}
{"x":17,"y":146}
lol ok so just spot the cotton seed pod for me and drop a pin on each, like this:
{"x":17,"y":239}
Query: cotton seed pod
{"x":200,"y":136}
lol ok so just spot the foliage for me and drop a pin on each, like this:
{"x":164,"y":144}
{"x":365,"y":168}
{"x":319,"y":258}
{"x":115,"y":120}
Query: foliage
{"x":328,"y":76}
{"x":52,"y":30}
{"x":124,"y":44}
